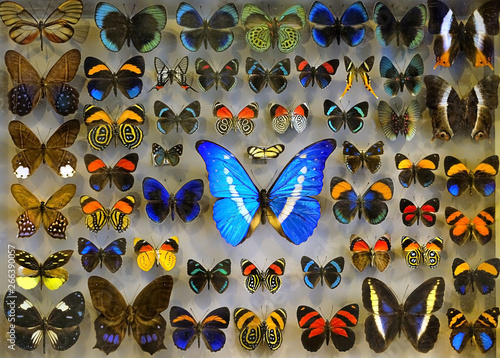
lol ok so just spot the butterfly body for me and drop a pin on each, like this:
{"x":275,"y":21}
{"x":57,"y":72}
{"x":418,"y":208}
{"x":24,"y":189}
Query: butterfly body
{"x":186,"y":119}
{"x":253,"y":331}
{"x":482,"y":178}
{"x":164,"y":255}
{"x":355,"y":159}
{"x":338,"y":118}
{"x":110,"y":256}
{"x":216,"y":276}
{"x":314,"y":273}
{"x":483,"y":276}
{"x":462,"y":229}
{"x":364,"y":255}
{"x":354,"y":72}
{"x":260,"y":77}
{"x":416,"y":254}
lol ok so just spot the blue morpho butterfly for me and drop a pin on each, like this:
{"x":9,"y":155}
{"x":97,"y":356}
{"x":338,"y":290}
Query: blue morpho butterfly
{"x":110,"y":256}
{"x":314,"y":273}
{"x":348,"y":27}
{"x":397,"y":80}
{"x":287,"y":205}
{"x":215,"y":31}
{"x":161,"y":203}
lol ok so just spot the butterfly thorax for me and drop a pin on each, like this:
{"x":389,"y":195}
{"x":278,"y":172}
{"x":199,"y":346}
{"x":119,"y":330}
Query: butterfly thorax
{"x":461,"y":36}
{"x":129,"y":313}
{"x":264,"y":204}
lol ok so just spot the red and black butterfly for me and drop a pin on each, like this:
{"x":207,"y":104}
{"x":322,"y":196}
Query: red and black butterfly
{"x":119,"y":174}
{"x":364,"y":255}
{"x":322,"y":74}
{"x":426,"y":212}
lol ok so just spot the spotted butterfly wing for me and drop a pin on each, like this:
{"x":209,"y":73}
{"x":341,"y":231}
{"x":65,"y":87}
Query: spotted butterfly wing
{"x":98,"y":216}
{"x":403,"y":124}
{"x":396,"y":81}
{"x":164,"y":255}
{"x":421,"y":171}
{"x":225,"y":77}
{"x":187,"y":119}
{"x":354,"y":72}
{"x":461,"y":178}
{"x":256,"y":278}
{"x":462,"y":229}
{"x":110,"y":256}
{"x":314,"y":273}
{"x":217,"y":276}
{"x":162,"y":156}
{"x":259,"y":77}
{"x":355,"y":159}
{"x":338,"y":119}
{"x":253,"y":331}
{"x":413,"y":213}
{"x":283,"y":118}
{"x":364,"y":255}
{"x":483,"y":276}
{"x":322,"y":74}
{"x":226,"y":120}
{"x":119,"y":174}
{"x":416,"y":254}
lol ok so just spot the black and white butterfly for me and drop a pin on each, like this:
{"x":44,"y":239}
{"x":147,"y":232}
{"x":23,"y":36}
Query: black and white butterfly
{"x":167,"y":75}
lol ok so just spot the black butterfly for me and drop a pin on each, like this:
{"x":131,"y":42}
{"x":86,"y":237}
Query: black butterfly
{"x":338,"y":118}
{"x":166,"y":75}
{"x":226,"y":77}
{"x":422,"y":171}
{"x":259,"y":77}
{"x":397,"y":80}
{"x":355,"y":158}
{"x":483,"y":276}
{"x":321,"y":74}
{"x":314,"y":273}
{"x":168,"y":119}
{"x":217,"y":275}
{"x":162,"y":156}
{"x":394,"y":124}
{"x":110,"y":256}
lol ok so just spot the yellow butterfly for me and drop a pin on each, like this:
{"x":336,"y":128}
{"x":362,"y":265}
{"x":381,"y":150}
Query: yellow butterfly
{"x":147,"y":255}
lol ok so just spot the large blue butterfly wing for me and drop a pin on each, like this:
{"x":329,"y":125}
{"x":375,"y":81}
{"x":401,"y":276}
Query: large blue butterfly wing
{"x":113,"y":24}
{"x":324,"y":34}
{"x":112,"y":254}
{"x":147,"y":27}
{"x":186,"y":327}
{"x":186,"y":200}
{"x":193,"y":36}
{"x":354,"y":15}
{"x":158,"y":206}
{"x":90,"y":254}
{"x":219,"y":36}
{"x":212,"y":324}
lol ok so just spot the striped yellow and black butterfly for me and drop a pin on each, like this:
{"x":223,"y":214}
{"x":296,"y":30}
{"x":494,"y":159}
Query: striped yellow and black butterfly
{"x":415,"y":253}
{"x":98,"y":215}
{"x":50,"y":272}
{"x":253,"y":331}
{"x":47,"y":212}
{"x":103,"y":128}
{"x":264,"y":153}
{"x":269,"y":279}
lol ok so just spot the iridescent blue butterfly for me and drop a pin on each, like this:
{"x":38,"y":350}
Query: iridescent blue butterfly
{"x":110,"y":256}
{"x":287,"y":205}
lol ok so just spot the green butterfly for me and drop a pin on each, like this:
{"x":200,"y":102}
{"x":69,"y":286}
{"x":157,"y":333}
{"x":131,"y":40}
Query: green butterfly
{"x":263,"y":31}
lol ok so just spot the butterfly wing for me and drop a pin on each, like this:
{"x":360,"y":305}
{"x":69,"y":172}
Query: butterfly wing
{"x":118,"y":216}
{"x":26,"y":162}
{"x":459,"y":179}
{"x":250,"y":327}
{"x":158,"y":198}
{"x":275,"y":325}
{"x":186,"y":327}
{"x":188,"y":117}
{"x":126,"y":127}
{"x":394,"y":82}
{"x":272,"y":280}
{"x":461,"y":330}
{"x":114,"y":26}
{"x":173,"y":155}
{"x":211,"y":328}
{"x":424,"y":169}
{"x":381,"y":257}
{"x":146,"y":27}
{"x":347,"y":206}
{"x":387,"y":25}
{"x":227,"y":75}
{"x":361,"y":253}
{"x":244,"y":121}
{"x":288,"y":25}
{"x":485,"y":274}
{"x":316,"y":330}
{"x":306,"y":71}
{"x":112,"y":254}
{"x":257,"y":77}
{"x":411,"y":25}
{"x":166,"y":253}
{"x":121,"y":172}
{"x":100,"y":172}
{"x":54,"y":222}
{"x":444,"y":24}
{"x":481,"y":230}
{"x":363,"y":70}
{"x":97,"y":215}
{"x":254,"y":276}
{"x":277,"y":76}
{"x":59,"y":160}
{"x":225,"y":120}
{"x":199,"y":276}
{"x":187,"y":199}
{"x":332,"y":271}
{"x":146,"y":254}
{"x":207,"y":75}
{"x":373,"y":207}
{"x":128,"y":77}
{"x":432,"y":250}
{"x":481,"y":99}
{"x":168,"y":118}
{"x":101,"y":78}
{"x":484,"y":329}
{"x":460,"y":232}
{"x":312,"y":272}
{"x":478,"y":46}
{"x":343,"y":337}
{"x":218,"y":275}
{"x":463,"y":276}
{"x":258,"y":26}
{"x":280,"y":117}
{"x":484,"y":174}
{"x":408,"y":170}
{"x":372,"y":157}
{"x":414,"y":253}
{"x":428,"y":212}
{"x":299,"y":117}
{"x":412,"y":74}
{"x":353,"y":157}
{"x":90,"y":254}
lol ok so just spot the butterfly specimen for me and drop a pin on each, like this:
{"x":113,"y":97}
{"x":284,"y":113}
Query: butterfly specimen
{"x":483,"y":276}
{"x":413,"y":213}
{"x":370,"y":205}
{"x":50,"y":272}
{"x":461,"y":178}
{"x":241,"y":206}
{"x":282,"y":118}
{"x":259,"y":77}
{"x":119,"y":174}
{"x":142,"y":318}
{"x":47,"y":212}
{"x":364,"y":255}
{"x":481,"y":332}
{"x":143,"y":29}
{"x":338,"y":119}
{"x":61,"y":326}
{"x":98,"y":215}
{"x":168,"y":119}
{"x":253,"y":331}
{"x":226,"y":120}
{"x":256,"y":278}
{"x":473,"y":37}
{"x":225,"y":77}
{"x":52,"y":153}
{"x":103,"y":80}
{"x":162,"y":156}
{"x":164,"y":255}
{"x":264,"y":31}
{"x":322,"y":74}
{"x":462,"y":229}
{"x":217,"y":276}
{"x":409,"y":28}
{"x":421,"y":171}
{"x":414,"y":317}
{"x":56,"y":27}
{"x":394,"y":124}
{"x":362,"y":71}
{"x":30,"y":86}
{"x":396,"y":81}
{"x":187,"y":329}
{"x":355,"y":158}
{"x":264,"y":153}
{"x":471,"y":114}
{"x":349,"y":27}
{"x":215,"y":31}
{"x":415,"y":254}
{"x":110,"y":256}
{"x":318,"y":329}
{"x":314,"y":273}
{"x":166,"y":75}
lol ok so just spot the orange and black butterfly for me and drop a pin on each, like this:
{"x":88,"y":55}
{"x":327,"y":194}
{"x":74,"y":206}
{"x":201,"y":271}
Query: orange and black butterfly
{"x":421,"y":171}
{"x":98,"y":215}
{"x":483,"y":276}
{"x":462,"y":229}
{"x":364,"y":255}
{"x":119,"y":174}
{"x":461,"y":178}
{"x":30,"y":86}
{"x":362,"y":71}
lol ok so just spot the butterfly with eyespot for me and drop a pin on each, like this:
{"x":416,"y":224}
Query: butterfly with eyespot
{"x":215,"y":31}
{"x":318,"y":329}
{"x":462,"y":229}
{"x":483,"y":276}
{"x":421,"y":171}
{"x":253,"y":331}
{"x":187,"y":329}
{"x":226,"y":120}
{"x":409,"y":28}
{"x":162,"y":156}
{"x":473,"y":37}
{"x":470,"y":114}
{"x":264,"y":31}
{"x":396,"y":81}
{"x":186,"y":119}
{"x":264,"y":153}
{"x":362,"y":71}
{"x":98,"y":215}
{"x":415,"y":254}
{"x":481,"y":332}
{"x":102,"y":80}
{"x":143,"y":318}
{"x":47,"y":212}
{"x":34,"y":152}
{"x":119,"y":174}
{"x":50,"y":272}
{"x":167,"y":75}
{"x":282,"y":118}
{"x":143,"y":29}
{"x":413,"y":213}
{"x":30,"y":86}
{"x":370,"y":205}
{"x":314,"y":273}
{"x":161,"y":204}
{"x":461,"y":178}
{"x":327,"y":27}
{"x":56,"y":27}
{"x":414,"y":317}
{"x":217,"y":276}
{"x":240,"y":206}
{"x":110,"y":256}
{"x":364,"y":255}
{"x":394,"y":124}
{"x":337,"y":118}
{"x":61,"y":326}
{"x":322,"y":74}
{"x":259,"y":77}
{"x":225,"y":77}
{"x":355,"y":158}
{"x":164,"y":255}
{"x":256,"y":278}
